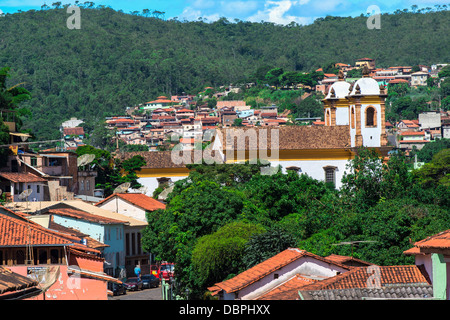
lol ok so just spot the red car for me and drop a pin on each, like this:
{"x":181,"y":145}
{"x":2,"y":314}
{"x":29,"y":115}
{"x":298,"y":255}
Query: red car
{"x":167,"y":271}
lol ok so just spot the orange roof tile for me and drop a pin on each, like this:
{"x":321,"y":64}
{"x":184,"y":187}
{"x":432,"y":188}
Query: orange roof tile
{"x":437,"y":241}
{"x":412,"y":133}
{"x":288,"y":290}
{"x":78,"y":214}
{"x":141,"y":200}
{"x":266,"y":267}
{"x":21,"y":177}
{"x":346,"y":259}
{"x":359,"y":278}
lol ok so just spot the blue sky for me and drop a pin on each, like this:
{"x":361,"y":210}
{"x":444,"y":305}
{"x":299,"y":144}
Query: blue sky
{"x":277,"y":11}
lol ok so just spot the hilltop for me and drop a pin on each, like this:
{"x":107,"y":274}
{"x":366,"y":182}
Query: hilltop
{"x":117,"y":60}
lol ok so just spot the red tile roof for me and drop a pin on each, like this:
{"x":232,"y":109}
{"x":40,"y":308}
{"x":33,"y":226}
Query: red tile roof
{"x":412,"y":133}
{"x":266,"y":267}
{"x":21,"y":177}
{"x":138,"y":199}
{"x":362,"y":278}
{"x":78,"y":214}
{"x":432,"y":243}
{"x":347,"y":260}
{"x":288,"y":290}
{"x":78,"y":131}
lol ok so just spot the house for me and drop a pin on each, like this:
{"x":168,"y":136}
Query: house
{"x":58,"y":170}
{"x":410,"y":139}
{"x":430,"y":120}
{"x":370,"y":63}
{"x":432,"y":253}
{"x":275,"y":271}
{"x":133,"y":205}
{"x":103,"y":229}
{"x":65,"y":268}
{"x":161,"y":102}
{"x":131,"y":234}
{"x":372,"y":282}
{"x":419,"y":78}
{"x":408,"y":125}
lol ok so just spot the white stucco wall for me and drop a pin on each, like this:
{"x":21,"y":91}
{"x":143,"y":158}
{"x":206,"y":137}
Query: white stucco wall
{"x":306,"y":266}
{"x":121,"y":206}
{"x":314,"y":168}
{"x":152,"y":183}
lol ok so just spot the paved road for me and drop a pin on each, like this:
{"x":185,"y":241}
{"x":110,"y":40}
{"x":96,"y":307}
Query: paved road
{"x":146,"y":294}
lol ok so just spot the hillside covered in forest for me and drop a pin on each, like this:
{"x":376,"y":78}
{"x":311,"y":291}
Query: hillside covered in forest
{"x":118,"y":60}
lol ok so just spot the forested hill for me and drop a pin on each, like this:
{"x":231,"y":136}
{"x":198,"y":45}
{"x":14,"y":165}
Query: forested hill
{"x":117,"y":60}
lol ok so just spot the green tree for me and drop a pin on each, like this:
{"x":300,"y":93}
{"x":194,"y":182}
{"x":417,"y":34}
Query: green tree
{"x":262,"y":246}
{"x":218,"y":255}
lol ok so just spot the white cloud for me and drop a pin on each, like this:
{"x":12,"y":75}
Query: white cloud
{"x":191,"y":14}
{"x":277,"y":12}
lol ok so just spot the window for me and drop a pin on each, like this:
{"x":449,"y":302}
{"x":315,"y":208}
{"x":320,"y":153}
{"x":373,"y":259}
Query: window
{"x":81,"y":185}
{"x":370,"y":117}
{"x":127,"y":243}
{"x":88,"y":185}
{"x":54,"y":256}
{"x":352,"y":120}
{"x":33,"y":161}
{"x":20,"y":257}
{"x":43,"y":256}
{"x":38,"y":189}
{"x":330,"y":174}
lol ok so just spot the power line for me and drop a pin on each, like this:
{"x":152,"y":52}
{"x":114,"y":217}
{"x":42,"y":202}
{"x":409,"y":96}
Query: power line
{"x":22,"y":143}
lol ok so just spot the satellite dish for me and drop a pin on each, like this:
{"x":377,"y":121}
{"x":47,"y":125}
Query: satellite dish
{"x":123,"y":188}
{"x":143,"y":190}
{"x":25,"y":194}
{"x":85,"y":159}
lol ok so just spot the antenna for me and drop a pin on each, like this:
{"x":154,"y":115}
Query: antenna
{"x":123,"y":188}
{"x":352,"y":243}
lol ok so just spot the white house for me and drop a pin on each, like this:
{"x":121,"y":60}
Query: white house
{"x":133,"y":205}
{"x":274,"y":271}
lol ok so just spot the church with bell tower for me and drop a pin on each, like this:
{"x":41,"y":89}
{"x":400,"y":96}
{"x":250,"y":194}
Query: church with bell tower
{"x":361,"y":107}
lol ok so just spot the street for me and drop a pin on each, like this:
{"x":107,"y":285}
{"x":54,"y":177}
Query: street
{"x":146,"y":294}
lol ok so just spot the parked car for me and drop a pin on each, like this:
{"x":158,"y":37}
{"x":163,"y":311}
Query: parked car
{"x":117,"y":288}
{"x":134,"y":284}
{"x":167,"y":271}
{"x":150,"y":281}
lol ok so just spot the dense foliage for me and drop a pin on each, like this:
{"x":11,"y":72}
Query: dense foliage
{"x":219,"y":222}
{"x":117,"y":60}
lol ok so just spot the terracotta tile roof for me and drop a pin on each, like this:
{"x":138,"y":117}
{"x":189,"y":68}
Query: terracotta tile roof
{"x":288,"y":290}
{"x":11,"y":281}
{"x":78,"y":131}
{"x":412,"y":133}
{"x":82,"y":215}
{"x":138,"y":199}
{"x":296,"y":137}
{"x":16,"y":232}
{"x":359,"y":278}
{"x":430,"y":244}
{"x":159,"y":159}
{"x":21,"y":177}
{"x":266,"y":267}
{"x":347,"y":260}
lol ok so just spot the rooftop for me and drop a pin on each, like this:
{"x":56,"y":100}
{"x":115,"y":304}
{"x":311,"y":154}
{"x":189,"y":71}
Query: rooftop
{"x":138,"y":199}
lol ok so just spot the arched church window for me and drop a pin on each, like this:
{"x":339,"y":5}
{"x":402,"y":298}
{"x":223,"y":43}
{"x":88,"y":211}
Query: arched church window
{"x":371,"y":117}
{"x":352,"y":120}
